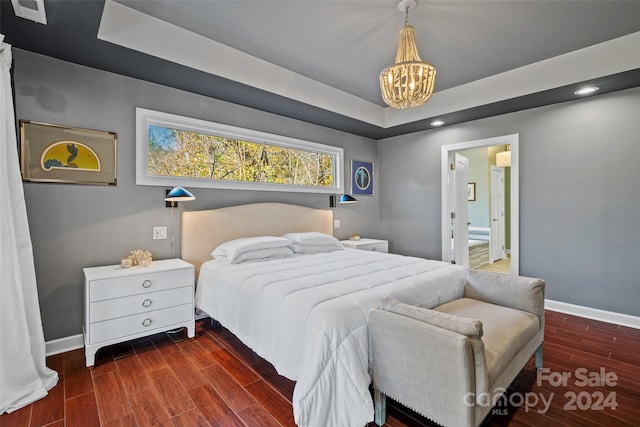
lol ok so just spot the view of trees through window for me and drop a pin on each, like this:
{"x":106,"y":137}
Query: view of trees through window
{"x":179,"y":153}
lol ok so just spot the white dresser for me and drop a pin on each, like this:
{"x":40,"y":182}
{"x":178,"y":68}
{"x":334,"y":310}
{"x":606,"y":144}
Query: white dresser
{"x":126,"y":303}
{"x":367,"y":244}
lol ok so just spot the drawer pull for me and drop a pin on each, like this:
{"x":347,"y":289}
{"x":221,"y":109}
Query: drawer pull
{"x":146,"y":283}
{"x":374,"y":249}
{"x":146,"y":303}
{"x":146,"y":322}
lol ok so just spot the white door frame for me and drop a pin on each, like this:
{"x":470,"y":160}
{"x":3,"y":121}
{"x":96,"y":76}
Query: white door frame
{"x":513,"y":140}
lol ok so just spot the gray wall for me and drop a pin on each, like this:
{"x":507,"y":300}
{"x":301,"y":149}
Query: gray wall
{"x":76,"y":226}
{"x":579,"y":203}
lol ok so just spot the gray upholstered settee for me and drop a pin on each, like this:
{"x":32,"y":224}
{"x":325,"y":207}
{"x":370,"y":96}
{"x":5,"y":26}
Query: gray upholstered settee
{"x":452,"y":362}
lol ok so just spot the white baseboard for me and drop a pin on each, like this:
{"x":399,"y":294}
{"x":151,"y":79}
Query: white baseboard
{"x":64,"y":344}
{"x":593,"y":313}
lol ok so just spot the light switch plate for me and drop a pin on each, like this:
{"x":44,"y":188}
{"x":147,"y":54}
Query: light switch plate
{"x":159,"y":233}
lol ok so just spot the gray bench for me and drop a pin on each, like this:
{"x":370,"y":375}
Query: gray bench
{"x":450,"y":363}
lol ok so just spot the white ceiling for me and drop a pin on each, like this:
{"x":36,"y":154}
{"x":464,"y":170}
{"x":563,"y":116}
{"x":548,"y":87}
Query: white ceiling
{"x":329,"y":53}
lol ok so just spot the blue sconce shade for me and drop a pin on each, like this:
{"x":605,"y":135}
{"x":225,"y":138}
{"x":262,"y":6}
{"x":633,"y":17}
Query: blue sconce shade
{"x":345,"y":198}
{"x":179,"y":194}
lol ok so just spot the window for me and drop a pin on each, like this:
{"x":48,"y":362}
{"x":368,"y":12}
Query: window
{"x":174,"y":150}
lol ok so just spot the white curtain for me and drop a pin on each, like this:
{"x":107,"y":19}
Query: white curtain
{"x":24,"y":376}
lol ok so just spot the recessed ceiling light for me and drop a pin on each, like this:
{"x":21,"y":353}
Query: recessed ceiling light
{"x":586,"y":90}
{"x":437,"y":123}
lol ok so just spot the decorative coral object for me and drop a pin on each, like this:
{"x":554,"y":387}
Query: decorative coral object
{"x":141,"y":257}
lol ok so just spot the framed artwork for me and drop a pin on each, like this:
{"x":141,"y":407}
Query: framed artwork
{"x":361,"y":178}
{"x":471,"y":192}
{"x":52,"y":153}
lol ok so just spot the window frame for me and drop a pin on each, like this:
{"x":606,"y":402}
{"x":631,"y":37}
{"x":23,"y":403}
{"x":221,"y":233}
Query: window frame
{"x":146,"y":118}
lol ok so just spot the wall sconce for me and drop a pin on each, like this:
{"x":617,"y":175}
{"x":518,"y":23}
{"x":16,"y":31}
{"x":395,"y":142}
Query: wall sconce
{"x":172,"y":197}
{"x":503,"y":158}
{"x":175,"y":195}
{"x":344,"y":199}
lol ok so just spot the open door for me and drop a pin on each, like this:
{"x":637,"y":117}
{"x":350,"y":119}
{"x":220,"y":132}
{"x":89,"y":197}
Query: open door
{"x":459,"y":209}
{"x":497,"y":245}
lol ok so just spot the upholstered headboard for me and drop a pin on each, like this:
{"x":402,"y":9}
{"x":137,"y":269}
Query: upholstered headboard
{"x":203,"y":231}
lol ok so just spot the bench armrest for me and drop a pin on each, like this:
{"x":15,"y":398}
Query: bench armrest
{"x":426,"y":351}
{"x":519,"y":292}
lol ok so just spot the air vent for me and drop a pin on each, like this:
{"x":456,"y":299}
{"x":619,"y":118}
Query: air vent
{"x":32,"y":10}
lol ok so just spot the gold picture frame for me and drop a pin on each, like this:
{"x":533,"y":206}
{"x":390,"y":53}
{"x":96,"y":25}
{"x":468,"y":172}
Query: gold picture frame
{"x":63,"y":154}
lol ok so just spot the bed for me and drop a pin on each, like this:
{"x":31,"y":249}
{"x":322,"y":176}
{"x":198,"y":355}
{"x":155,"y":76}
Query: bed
{"x":307,"y":313}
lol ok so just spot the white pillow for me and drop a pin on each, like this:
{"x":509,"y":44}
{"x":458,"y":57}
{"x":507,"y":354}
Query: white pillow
{"x":262,"y":254}
{"x":311,"y":238}
{"x":233,"y":248}
{"x":315,"y":249}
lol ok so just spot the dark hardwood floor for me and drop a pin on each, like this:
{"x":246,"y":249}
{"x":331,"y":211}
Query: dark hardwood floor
{"x":215,"y":380}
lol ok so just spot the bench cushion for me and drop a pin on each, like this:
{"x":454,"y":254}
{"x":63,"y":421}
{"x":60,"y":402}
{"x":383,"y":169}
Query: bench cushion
{"x":506,"y":330}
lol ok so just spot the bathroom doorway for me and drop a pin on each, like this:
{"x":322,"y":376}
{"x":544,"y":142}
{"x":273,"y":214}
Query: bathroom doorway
{"x":486,"y":204}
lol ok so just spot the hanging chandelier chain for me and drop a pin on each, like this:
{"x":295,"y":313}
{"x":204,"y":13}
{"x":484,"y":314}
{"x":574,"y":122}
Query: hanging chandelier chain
{"x":406,"y":16}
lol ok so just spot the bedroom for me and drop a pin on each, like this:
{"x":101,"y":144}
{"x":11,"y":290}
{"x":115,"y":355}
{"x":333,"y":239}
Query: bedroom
{"x":578,"y":178}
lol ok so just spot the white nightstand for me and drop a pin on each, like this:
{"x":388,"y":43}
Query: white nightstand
{"x":126,"y":303}
{"x":367,"y":244}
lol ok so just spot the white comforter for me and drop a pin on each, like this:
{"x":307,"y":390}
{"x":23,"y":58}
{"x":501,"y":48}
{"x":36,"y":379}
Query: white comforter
{"x":307,"y":315}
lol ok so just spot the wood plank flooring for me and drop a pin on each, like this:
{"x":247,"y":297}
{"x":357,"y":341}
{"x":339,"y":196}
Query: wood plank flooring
{"x":500,"y":266}
{"x":215,"y":380}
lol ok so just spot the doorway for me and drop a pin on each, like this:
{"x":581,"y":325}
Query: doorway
{"x":450,"y":209}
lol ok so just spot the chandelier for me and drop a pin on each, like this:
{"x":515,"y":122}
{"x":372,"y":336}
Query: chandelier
{"x":409,"y":82}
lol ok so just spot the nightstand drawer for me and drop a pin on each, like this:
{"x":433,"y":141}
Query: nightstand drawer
{"x":143,"y":322}
{"x":134,"y":284}
{"x":375,"y":247}
{"x":142,"y":303}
